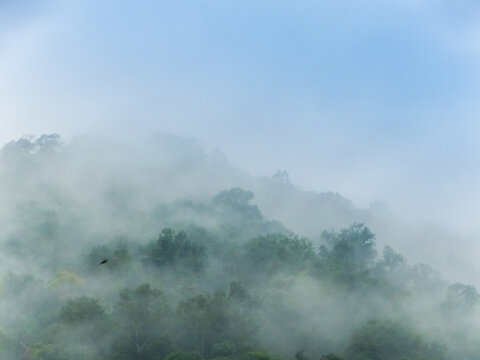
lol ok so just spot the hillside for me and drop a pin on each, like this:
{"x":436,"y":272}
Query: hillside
{"x":207,"y":262}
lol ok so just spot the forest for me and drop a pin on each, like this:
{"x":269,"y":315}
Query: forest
{"x":200,"y":264}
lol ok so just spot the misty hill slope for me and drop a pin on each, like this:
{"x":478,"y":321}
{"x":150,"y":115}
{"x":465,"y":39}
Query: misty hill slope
{"x":204,"y":261}
{"x":105,"y":185}
{"x":115,"y":183}
{"x":97,"y":185}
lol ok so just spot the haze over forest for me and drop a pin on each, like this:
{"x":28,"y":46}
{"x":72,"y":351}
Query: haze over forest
{"x":239,"y":180}
{"x":207,"y":262}
{"x":376,"y":100}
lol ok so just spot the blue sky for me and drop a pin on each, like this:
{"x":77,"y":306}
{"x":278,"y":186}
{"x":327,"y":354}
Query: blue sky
{"x":374,"y":99}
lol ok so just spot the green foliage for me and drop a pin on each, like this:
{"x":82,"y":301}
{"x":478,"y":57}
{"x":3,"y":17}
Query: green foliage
{"x":155,"y":349}
{"x":142,"y":317}
{"x":211,"y":321}
{"x":118,"y":259}
{"x":96,"y":255}
{"x":13,"y":284}
{"x":26,"y":146}
{"x":7,"y":347}
{"x":189,"y":355}
{"x":391,"y":265}
{"x":348,"y":253}
{"x":275,"y":252}
{"x":422,"y":278}
{"x":234,"y":207}
{"x":242,"y":287}
{"x":234,"y":198}
{"x":177,"y":249}
{"x":238,"y":292}
{"x":462,"y":297}
{"x":256,"y":355}
{"x":81,"y":309}
{"x":238,"y":218}
{"x":389,"y":340}
{"x":224,"y":349}
{"x":391,"y":259}
{"x":45,"y":352}
{"x":330,"y":357}
{"x":300,"y":355}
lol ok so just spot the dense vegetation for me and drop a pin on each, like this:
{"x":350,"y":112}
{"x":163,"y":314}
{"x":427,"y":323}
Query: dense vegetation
{"x":217,"y":280}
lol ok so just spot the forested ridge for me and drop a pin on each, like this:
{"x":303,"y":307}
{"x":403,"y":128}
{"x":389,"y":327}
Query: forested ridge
{"x":198,"y":273}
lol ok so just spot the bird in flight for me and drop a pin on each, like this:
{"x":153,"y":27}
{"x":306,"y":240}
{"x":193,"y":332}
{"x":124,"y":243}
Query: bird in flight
{"x":103,"y":262}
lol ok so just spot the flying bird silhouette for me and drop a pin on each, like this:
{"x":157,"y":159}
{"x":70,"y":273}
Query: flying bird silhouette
{"x":103,"y":262}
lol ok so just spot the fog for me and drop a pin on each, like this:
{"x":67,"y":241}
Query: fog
{"x":389,"y":115}
{"x":250,"y":180}
{"x":207,"y":261}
